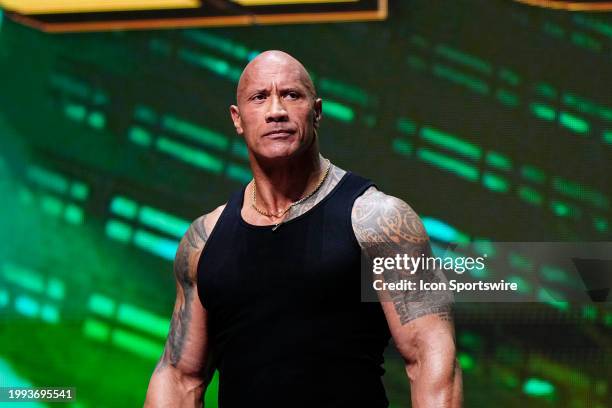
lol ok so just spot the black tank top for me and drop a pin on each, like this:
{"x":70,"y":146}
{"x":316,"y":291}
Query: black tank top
{"x":286,"y":324}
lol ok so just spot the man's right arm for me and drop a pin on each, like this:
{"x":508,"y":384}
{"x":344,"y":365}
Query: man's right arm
{"x":181,"y":376}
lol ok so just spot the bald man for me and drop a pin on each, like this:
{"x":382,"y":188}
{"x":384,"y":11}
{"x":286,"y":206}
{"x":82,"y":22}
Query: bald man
{"x":268,"y":284}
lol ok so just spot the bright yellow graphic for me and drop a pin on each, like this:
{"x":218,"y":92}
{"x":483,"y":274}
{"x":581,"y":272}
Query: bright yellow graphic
{"x":79,"y":6}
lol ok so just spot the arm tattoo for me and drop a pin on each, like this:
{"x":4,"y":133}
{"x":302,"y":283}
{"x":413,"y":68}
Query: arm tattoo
{"x":191,"y":245}
{"x":386,"y":226}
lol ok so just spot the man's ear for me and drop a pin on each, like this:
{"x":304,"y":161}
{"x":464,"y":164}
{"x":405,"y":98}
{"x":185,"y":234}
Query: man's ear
{"x":235,"y":112}
{"x":318,"y":112}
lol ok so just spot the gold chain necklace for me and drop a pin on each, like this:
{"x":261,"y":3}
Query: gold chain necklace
{"x":283,"y":212}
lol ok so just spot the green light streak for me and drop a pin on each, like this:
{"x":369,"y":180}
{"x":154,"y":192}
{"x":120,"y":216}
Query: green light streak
{"x":101,"y":305}
{"x":553,"y":298}
{"x":543,"y":112}
{"x":417,"y":63}
{"x":580,"y":192}
{"x":407,"y":126}
{"x":584,"y":105}
{"x":196,"y":133}
{"x":607,"y":136}
{"x":533,"y":174}
{"x":348,"y":92}
{"x":466,"y":361}
{"x":70,"y":85}
{"x":545,"y":90}
{"x":450,"y":164}
{"x":96,"y":330}
{"x":97,"y":120}
{"x":161,"y":46}
{"x":419,"y":41}
{"x":495,"y":183}
{"x":51,"y":205}
{"x":509,"y":76}
{"x":49,"y":314}
{"x":73,"y":214}
{"x":402,"y":146}
{"x":537,"y":387}
{"x":519,"y":262}
{"x":498,"y":160}
{"x":601,"y":224}
{"x":530,"y":195}
{"x":484,"y":246}
{"x":27,"y":306}
{"x":139,"y":136}
{"x":47,"y":179}
{"x":560,"y":208}
{"x":215,"y":65}
{"x":142,"y":319}
{"x":554,"y":274}
{"x":145,"y":114}
{"x":239,"y":173}
{"x":507,"y":98}
{"x":24,"y":277}
{"x":451,"y":142}
{"x":79,"y":190}
{"x":124,"y":207}
{"x":163,"y":221}
{"x":470,"y":340}
{"x":75,"y":112}
{"x":137,"y":344}
{"x":553,"y":30}
{"x":118,"y":231}
{"x":585,"y":41}
{"x":460,"y":78}
{"x":190,"y":155}
{"x":464,"y":58}
{"x":239,"y":149}
{"x":574,"y":123}
{"x":594,"y":24}
{"x":55,"y":289}
{"x":589,"y":312}
{"x":218,"y":43}
{"x":4,"y":298}
{"x":338,"y":111}
{"x":162,"y":247}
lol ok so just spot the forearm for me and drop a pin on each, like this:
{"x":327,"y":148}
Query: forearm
{"x":436,"y":382}
{"x":169,"y":388}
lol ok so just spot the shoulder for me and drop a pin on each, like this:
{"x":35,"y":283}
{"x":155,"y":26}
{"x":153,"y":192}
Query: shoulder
{"x":380,"y":217}
{"x":201,"y":227}
{"x":192,"y":243}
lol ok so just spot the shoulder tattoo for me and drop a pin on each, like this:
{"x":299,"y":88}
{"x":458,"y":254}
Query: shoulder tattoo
{"x":385,"y":226}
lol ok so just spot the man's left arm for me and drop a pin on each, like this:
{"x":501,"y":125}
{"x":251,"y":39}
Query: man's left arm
{"x":420,"y":323}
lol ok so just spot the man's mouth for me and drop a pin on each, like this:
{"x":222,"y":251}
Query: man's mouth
{"x":279,"y":133}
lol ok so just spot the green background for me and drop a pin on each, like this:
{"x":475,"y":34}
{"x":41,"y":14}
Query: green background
{"x":492,"y":119}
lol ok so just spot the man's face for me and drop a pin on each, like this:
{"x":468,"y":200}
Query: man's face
{"x":277,"y":112}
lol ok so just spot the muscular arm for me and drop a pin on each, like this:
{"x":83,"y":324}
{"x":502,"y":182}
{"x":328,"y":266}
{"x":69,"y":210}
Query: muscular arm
{"x":181,"y":375}
{"x":420,"y":323}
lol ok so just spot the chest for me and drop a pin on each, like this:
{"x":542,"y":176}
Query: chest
{"x":315,"y":259}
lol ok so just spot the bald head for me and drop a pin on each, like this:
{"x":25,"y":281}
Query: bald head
{"x":273,"y":62}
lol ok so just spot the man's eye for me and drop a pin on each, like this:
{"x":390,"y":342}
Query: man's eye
{"x":259,"y":97}
{"x":292,"y":95}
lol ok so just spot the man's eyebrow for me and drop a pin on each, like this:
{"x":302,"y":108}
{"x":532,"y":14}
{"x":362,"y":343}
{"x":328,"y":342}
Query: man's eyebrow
{"x":251,"y":92}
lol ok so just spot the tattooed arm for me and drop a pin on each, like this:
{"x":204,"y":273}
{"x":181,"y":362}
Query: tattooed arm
{"x":181,"y":376}
{"x":420,"y":323}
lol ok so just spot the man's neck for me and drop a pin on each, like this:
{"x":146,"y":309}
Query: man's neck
{"x":284,"y":183}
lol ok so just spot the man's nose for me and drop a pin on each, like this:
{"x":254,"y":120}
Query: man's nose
{"x":276,"y":111}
